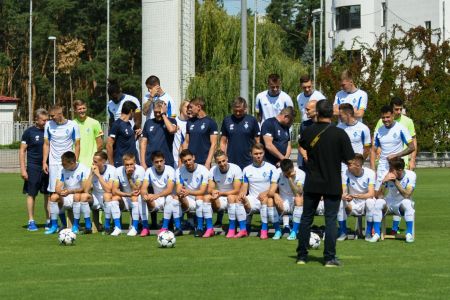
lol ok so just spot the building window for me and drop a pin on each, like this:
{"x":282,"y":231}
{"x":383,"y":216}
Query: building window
{"x":348,"y":17}
{"x":384,"y":14}
{"x":428,"y":25}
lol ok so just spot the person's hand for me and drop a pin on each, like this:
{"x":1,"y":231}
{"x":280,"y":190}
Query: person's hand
{"x":208,"y":164}
{"x":136,"y":192}
{"x":164,"y":110}
{"x":24,"y":175}
{"x":64,"y":193}
{"x":391,"y":156}
{"x":292,"y":174}
{"x":215,"y":194}
{"x":262,"y":196}
{"x":347,"y":197}
{"x":278,"y":164}
{"x":45,"y":168}
{"x":95,"y":170}
{"x":138,"y":132}
{"x":412,"y":164}
{"x":144,"y":165}
{"x":389,"y":177}
{"x":150,"y":197}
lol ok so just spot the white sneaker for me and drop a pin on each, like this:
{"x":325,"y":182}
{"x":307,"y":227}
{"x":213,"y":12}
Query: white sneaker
{"x":368,"y":238}
{"x":409,"y":238}
{"x":342,"y":237}
{"x":132,"y":232}
{"x":116,"y":232}
{"x":375,"y":238}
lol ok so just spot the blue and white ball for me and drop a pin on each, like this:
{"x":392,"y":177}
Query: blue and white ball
{"x":66,"y":237}
{"x":166,"y":239}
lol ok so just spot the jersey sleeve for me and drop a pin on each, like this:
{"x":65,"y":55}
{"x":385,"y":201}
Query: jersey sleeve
{"x":257,"y":104}
{"x":256,"y":129}
{"x":98,"y":131}
{"x":365,"y":136}
{"x":411,"y":128}
{"x":405,"y":135}
{"x":237,"y":174}
{"x":223,"y":128}
{"x":47,"y":134}
{"x":288,"y":101}
{"x":362,"y":101}
{"x":188,"y":126}
{"x":411,"y":180}
{"x":205,"y":176}
{"x":212,"y":127}
{"x":114,"y":130}
{"x":344,"y":179}
{"x":318,"y":96}
{"x":145,"y":130}
{"x":25,"y":137}
{"x":76,"y":132}
{"x":371,"y":178}
{"x":178,"y":179}
{"x":274,"y":175}
{"x":171,"y":174}
{"x":336,"y":99}
{"x":147,"y":176}
{"x":379,"y":124}
{"x":85,"y":173}
{"x":267,"y":128}
{"x":171,"y":111}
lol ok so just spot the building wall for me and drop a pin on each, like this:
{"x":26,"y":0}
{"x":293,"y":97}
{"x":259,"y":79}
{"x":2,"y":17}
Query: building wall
{"x":7,"y":123}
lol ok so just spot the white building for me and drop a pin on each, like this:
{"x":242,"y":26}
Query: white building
{"x":346,"y":20}
{"x":168,"y":44}
{"x":8,"y":106}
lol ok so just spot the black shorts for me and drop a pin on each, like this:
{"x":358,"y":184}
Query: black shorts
{"x":37,"y":181}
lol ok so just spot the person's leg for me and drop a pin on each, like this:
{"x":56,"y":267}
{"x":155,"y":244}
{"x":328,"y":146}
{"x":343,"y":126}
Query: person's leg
{"x":310,"y":203}
{"x":331,"y":203}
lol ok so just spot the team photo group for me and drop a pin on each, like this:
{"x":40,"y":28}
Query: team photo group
{"x":176,"y":160}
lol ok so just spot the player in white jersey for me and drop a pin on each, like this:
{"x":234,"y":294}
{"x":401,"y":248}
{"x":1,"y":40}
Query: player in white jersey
{"x":181,"y":131}
{"x":270,"y":103}
{"x":127,"y":188}
{"x":155,"y":92}
{"x":101,"y":180}
{"x":60,"y":135}
{"x":192,"y":182}
{"x":71,"y":191}
{"x":391,"y":137}
{"x":257,"y":180}
{"x":161,"y":179}
{"x":352,"y":95}
{"x":308,"y":94}
{"x":358,"y":187}
{"x":223,"y":190}
{"x":400,"y":185}
{"x":358,"y":132}
{"x":289,"y":198}
{"x":118,"y":98}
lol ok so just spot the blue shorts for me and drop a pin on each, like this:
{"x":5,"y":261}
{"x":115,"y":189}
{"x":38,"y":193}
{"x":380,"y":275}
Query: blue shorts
{"x":37,"y":181}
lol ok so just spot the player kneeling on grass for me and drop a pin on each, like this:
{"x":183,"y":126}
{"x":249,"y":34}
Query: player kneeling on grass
{"x":257,"y":180}
{"x":192,"y":182}
{"x":127,"y":188}
{"x":289,"y":199}
{"x":223,"y":190}
{"x":400,"y":184}
{"x":71,"y":191}
{"x":358,"y":188}
{"x":161,"y":178}
{"x":101,"y":179}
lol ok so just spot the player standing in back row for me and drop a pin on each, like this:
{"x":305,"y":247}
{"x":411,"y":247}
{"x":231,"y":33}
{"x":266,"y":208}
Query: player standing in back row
{"x":352,"y":95}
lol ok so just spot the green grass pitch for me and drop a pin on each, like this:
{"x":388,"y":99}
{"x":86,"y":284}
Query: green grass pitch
{"x":34,"y":266}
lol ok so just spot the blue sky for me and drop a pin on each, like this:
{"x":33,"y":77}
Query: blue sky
{"x":233,"y":7}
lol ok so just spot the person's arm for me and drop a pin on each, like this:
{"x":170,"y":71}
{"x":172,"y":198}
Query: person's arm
{"x":171,"y":128}
{"x":288,"y":150}
{"x":106,"y":185}
{"x":405,"y":192}
{"x":211,"y":186}
{"x":138,"y":119}
{"x":370,"y":193}
{"x":147,"y":105}
{"x":412,"y":160}
{"x":366,"y":151}
{"x":405,"y":152}
{"x":359,"y":113}
{"x":45,"y":151}
{"x":296,"y":189}
{"x":235,"y":191}
{"x":23,"y":168}
{"x":243,"y":191}
{"x":272,"y":190}
{"x":109,"y":150}
{"x":212,"y":149}
{"x":59,"y":188}
{"x":117,"y":192}
{"x":223,"y":143}
{"x":186,"y":142}
{"x":77,"y":148}
{"x":200,"y":192}
{"x":336,"y":110}
{"x":268,"y":143}
{"x":373,"y":155}
{"x":142,"y":152}
{"x":303,"y":153}
{"x":99,"y":142}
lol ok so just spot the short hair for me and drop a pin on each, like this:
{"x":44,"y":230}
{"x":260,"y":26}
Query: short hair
{"x":128,"y":107}
{"x":113,"y":86}
{"x":397,"y":101}
{"x":198,"y":101}
{"x":69,"y":157}
{"x":40,"y":112}
{"x":56,"y":107}
{"x":157,"y":154}
{"x":288,"y":111}
{"x":386,"y":108}
{"x":347,"y":75}
{"x":219,"y":153}
{"x":101,"y":154}
{"x":159,"y":104}
{"x":258,"y":146}
{"x":359,"y":157}
{"x":185,"y":153}
{"x":305,"y":78}
{"x":152,"y":81}
{"x":128,"y":156}
{"x":273,"y":78}
{"x":324,"y":109}
{"x":182,"y":104}
{"x":397,"y":163}
{"x":286,"y":165}
{"x":347,"y":108}
{"x":239,"y":101}
{"x":77,"y":103}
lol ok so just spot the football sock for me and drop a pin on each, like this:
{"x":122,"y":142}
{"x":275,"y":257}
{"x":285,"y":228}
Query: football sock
{"x":377,"y":227}
{"x":115,"y":209}
{"x":409,"y":226}
{"x":199,"y":213}
{"x":143,"y":210}
{"x":369,"y":228}
{"x":207,"y":214}
{"x":296,"y":217}
{"x":135,"y":214}
{"x":165,"y":224}
{"x":395,"y":225}
{"x":76,"y":222}
{"x":76,"y":207}
{"x":88,"y":223}
{"x":177,"y":222}
{"x":117,"y":223}
{"x":232,"y":216}
{"x":145,"y":224}
{"x":342,"y":227}
{"x":176,"y":210}
{"x":285,"y":220}
{"x":107,"y":224}
{"x":264,"y":218}
{"x":86,"y":210}
{"x":54,"y":212}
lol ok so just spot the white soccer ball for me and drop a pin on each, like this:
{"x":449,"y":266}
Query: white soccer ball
{"x":67,"y":237}
{"x":314,"y":241}
{"x":166,"y":239}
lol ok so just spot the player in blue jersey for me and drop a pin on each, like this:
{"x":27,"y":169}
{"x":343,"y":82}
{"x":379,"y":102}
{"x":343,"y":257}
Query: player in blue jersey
{"x":161,"y":179}
{"x":155,"y":92}
{"x":257,"y":180}
{"x":269,"y":103}
{"x":122,"y":138}
{"x":352,"y":95}
{"x":223,"y":190}
{"x":399,"y":184}
{"x":158,"y":135}
{"x":35,"y":180}
{"x":71,"y":191}
{"x":191,"y":186}
{"x":201,"y":133}
{"x":118,"y":98}
{"x":276,"y":137}
{"x":127,"y":188}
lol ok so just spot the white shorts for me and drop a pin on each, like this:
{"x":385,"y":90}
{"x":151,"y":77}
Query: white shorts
{"x":53,"y":173}
{"x":159,"y":204}
{"x":223,"y":203}
{"x":288,"y":206}
{"x":382,"y":170}
{"x":68,"y":201}
{"x":393,"y":207}
{"x":358,"y":207}
{"x":255,"y":204}
{"x":97,"y":200}
{"x":191,"y":204}
{"x":320,"y":211}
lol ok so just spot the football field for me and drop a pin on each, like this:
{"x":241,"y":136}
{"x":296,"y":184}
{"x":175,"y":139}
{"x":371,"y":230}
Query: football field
{"x":35,"y":266}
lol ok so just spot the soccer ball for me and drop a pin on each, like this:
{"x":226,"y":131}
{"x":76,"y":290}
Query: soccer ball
{"x":166,"y":239}
{"x":67,"y":237}
{"x":314,"y":241}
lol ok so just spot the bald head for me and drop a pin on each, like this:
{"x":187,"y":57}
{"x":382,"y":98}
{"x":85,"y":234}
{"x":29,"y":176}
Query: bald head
{"x":311,"y":109}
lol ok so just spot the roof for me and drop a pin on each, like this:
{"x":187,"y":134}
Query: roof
{"x":6,"y":99}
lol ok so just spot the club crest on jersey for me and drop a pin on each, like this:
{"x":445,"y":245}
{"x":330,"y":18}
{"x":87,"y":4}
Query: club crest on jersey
{"x":151,"y":128}
{"x":37,"y":138}
{"x":229,"y":180}
{"x":192,"y":127}
{"x":231,"y":126}
{"x":197,"y":180}
{"x":126,"y":131}
{"x":354,"y":100}
{"x":203,"y":126}
{"x":264,"y":174}
{"x":246,"y":125}
{"x":67,"y":131}
{"x":279,"y":132}
{"x":78,"y":177}
{"x":88,"y":130}
{"x":395,"y":135}
{"x":355,"y":134}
